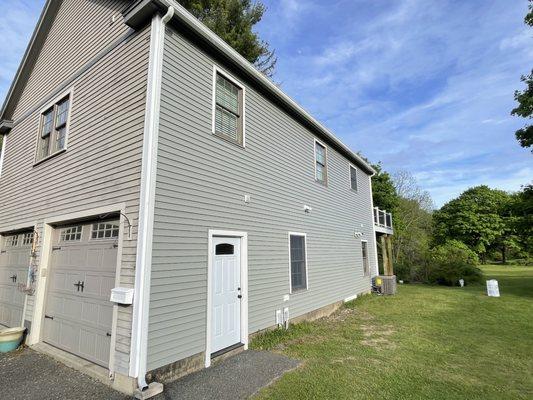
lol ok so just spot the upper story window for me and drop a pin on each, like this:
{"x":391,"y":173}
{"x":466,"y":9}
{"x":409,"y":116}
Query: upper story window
{"x":54,"y":128}
{"x":321,"y":168}
{"x":353,"y":178}
{"x":228,"y":118}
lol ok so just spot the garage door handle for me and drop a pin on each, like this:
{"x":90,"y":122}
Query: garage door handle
{"x":108,"y":334}
{"x":49,"y":317}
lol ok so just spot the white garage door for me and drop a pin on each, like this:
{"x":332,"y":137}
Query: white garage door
{"x":78,"y":313}
{"x":14,"y":262}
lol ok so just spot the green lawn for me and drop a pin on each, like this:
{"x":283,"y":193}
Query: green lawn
{"x":427,"y":342}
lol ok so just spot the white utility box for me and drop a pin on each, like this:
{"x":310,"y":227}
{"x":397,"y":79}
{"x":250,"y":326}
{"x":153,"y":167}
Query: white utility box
{"x":122,"y":295}
{"x":492,"y":288}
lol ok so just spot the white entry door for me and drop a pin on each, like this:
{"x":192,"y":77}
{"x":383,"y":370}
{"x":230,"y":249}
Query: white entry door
{"x":226,"y":293}
{"x":78,"y":313}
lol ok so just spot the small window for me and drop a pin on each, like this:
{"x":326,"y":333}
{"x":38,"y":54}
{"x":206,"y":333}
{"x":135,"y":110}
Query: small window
{"x":364,"y":249}
{"x":298,"y":259}
{"x":12,"y":241}
{"x":229,"y":110}
{"x":54,"y":127}
{"x":72,"y":234}
{"x":105,"y":230}
{"x":27,"y":239}
{"x":321,"y":169}
{"x":353,"y":178}
{"x":224,"y":249}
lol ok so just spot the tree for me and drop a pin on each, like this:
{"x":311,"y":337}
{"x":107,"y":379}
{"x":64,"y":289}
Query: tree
{"x":383,"y":191}
{"x":525,"y":98}
{"x":233,"y":21}
{"x":413,"y":223}
{"x":474,"y":218}
{"x":525,"y":110}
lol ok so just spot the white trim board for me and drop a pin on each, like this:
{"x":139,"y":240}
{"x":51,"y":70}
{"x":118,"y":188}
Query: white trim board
{"x":244,"y":287}
{"x":141,"y":298}
{"x":3,"y":153}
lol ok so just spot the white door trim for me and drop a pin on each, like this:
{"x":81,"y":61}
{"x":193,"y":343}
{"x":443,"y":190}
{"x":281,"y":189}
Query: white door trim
{"x":43,"y":270}
{"x":244,"y":287}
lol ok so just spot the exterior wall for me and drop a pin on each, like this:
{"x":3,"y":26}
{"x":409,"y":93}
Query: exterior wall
{"x":102,"y":164}
{"x":201,"y":183}
{"x":84,"y":28}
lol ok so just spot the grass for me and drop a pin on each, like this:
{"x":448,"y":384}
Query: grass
{"x":427,"y":342}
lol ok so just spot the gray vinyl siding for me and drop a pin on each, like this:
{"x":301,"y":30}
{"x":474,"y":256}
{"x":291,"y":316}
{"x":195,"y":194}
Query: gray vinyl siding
{"x":201,"y":183}
{"x":81,"y":29}
{"x":102,"y":164}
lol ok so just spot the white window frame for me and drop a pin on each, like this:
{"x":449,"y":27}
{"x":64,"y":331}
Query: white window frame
{"x":315,"y":141}
{"x":105,"y":238}
{"x":9,"y":240}
{"x":25,"y":236}
{"x":62,"y":230}
{"x":367,"y":257}
{"x":304,"y":235}
{"x":218,"y":71}
{"x":356,"y":177}
{"x":70,"y":94}
{"x":3,"y":153}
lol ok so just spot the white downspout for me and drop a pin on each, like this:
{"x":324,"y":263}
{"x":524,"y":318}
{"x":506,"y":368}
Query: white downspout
{"x":139,"y":339}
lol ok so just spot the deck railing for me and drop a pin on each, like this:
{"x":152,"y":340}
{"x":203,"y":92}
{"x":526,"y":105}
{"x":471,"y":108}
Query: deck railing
{"x":382,"y":218}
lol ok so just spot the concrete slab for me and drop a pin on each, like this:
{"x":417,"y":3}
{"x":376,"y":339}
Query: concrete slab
{"x":28,"y":375}
{"x":238,"y":377}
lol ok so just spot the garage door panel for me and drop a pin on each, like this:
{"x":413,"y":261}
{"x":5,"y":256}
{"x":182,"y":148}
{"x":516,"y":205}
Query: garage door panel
{"x":14,"y":262}
{"x":82,"y":313}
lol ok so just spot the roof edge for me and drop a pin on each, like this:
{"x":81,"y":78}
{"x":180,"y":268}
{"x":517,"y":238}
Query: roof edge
{"x":37,"y":39}
{"x":5,"y":126}
{"x":138,"y":14}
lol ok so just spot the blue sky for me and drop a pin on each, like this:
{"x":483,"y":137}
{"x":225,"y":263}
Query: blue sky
{"x":423,"y":86}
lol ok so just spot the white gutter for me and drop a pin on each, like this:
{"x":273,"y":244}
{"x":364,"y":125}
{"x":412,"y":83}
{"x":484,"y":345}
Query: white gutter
{"x":205,"y":33}
{"x":139,"y":337}
{"x":3,"y":152}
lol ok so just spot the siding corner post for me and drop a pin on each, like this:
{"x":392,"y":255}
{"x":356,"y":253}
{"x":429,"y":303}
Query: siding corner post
{"x":139,"y":336}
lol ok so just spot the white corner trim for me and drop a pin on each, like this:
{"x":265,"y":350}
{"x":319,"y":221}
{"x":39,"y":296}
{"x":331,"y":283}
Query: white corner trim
{"x":232,"y":79}
{"x":141,"y":301}
{"x":3,"y":153}
{"x":244,"y":288}
{"x":350,"y":298}
{"x":306,"y":263}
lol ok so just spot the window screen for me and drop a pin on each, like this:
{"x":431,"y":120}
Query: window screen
{"x":54,"y":122}
{"x":353,"y":178}
{"x":320,"y":163}
{"x":298,"y":262}
{"x":366,"y":269}
{"x":228,"y":110}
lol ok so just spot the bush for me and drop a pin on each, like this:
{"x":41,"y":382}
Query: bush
{"x":452,"y":261}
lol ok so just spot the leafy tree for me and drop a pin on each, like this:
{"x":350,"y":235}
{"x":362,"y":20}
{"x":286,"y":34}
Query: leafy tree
{"x":525,"y":110}
{"x":383,"y":191}
{"x":521,"y":210}
{"x":525,"y":98}
{"x":413,"y":223}
{"x":233,"y":21}
{"x":474,"y":218}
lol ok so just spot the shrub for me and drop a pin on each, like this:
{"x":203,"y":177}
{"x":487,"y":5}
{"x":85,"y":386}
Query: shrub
{"x":452,"y":261}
